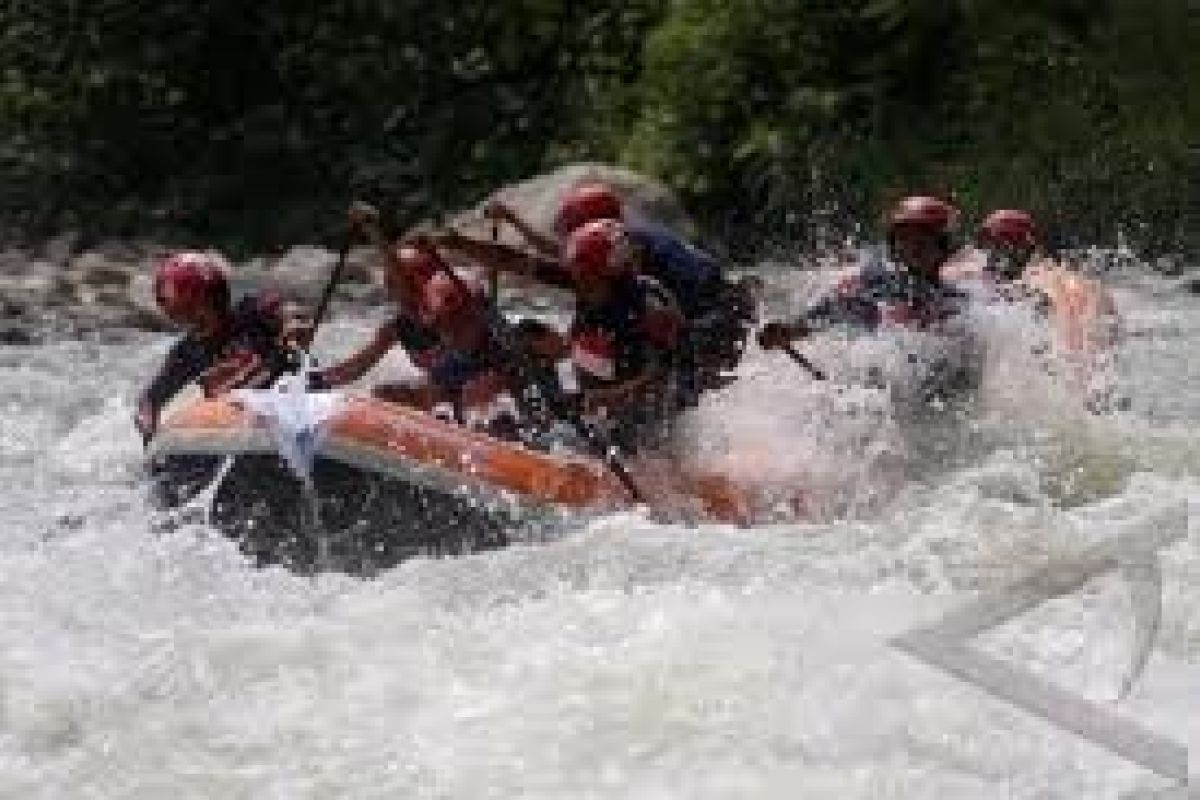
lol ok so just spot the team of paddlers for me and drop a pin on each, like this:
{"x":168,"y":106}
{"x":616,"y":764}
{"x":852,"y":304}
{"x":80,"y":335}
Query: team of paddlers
{"x":657,"y":321}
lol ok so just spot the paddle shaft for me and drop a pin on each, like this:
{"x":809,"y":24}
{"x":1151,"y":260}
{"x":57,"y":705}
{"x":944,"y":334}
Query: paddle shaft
{"x":500,"y":328}
{"x":809,"y":367}
{"x":335,"y":277}
{"x":318,"y":316}
{"x":493,"y":273}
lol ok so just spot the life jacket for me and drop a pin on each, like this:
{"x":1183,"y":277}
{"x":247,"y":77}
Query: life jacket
{"x":876,"y":296}
{"x":451,"y":370}
{"x":255,"y":324}
{"x":615,"y":341}
{"x":251,"y":335}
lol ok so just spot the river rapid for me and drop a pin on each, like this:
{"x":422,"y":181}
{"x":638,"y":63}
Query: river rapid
{"x":623,"y":658}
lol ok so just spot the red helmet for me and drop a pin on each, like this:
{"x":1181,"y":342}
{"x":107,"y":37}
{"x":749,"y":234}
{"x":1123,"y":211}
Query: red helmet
{"x":928,"y":213}
{"x":583,"y":204}
{"x":189,"y":280}
{"x":598,"y":249}
{"x":1009,"y":227}
{"x":445,"y":300}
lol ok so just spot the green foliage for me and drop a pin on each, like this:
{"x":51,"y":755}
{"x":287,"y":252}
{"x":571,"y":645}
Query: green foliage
{"x":770,"y":110}
{"x":254,"y":122}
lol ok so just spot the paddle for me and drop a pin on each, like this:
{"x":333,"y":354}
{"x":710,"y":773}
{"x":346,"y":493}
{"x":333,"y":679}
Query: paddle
{"x":778,"y":336}
{"x":809,"y":367}
{"x":493,"y":273}
{"x":502,"y":332}
{"x":335,"y":277}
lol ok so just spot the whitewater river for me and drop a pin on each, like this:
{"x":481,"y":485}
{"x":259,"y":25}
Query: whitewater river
{"x":624,"y":658}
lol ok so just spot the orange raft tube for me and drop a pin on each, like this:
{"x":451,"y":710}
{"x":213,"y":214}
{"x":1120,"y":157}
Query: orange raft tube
{"x":391,"y":482}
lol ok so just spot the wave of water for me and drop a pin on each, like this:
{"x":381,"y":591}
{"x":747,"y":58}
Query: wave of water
{"x":625,"y":659}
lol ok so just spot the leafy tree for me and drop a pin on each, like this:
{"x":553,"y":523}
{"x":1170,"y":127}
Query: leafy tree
{"x":783,"y":119}
{"x":771,"y":112}
{"x":259,"y":119}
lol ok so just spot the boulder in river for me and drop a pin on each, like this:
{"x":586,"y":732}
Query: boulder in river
{"x":537,"y":200}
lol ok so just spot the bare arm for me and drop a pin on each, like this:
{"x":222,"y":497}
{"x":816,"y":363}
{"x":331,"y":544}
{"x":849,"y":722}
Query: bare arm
{"x":360,"y":362}
{"x":184,"y":363}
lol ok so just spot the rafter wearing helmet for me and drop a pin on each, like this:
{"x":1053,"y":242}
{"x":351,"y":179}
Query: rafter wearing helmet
{"x":1009,"y":238}
{"x":920,"y":235}
{"x":440,"y":321}
{"x":625,"y":331}
{"x":908,"y":293}
{"x":225,"y":343}
{"x":1085,"y":314}
{"x":718,"y":312}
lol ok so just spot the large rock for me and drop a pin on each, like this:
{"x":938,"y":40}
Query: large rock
{"x":304,"y":270}
{"x":538,"y":198}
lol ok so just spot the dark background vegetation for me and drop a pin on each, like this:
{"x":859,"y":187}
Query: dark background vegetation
{"x":250,"y":124}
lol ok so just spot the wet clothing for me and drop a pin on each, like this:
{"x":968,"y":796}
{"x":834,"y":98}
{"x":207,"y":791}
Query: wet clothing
{"x":451,"y":370}
{"x":255,"y":324}
{"x":716,"y":313}
{"x":639,"y":329}
{"x":448,"y":370}
{"x":613,"y":341}
{"x":691,"y":275}
{"x":875,"y":296}
{"x":719,"y":313}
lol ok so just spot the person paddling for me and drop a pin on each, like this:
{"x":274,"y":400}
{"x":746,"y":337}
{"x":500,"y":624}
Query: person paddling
{"x":718,"y":312}
{"x":1006,"y":245}
{"x":910,"y":293}
{"x":624,"y":338}
{"x":225,"y":344}
{"x":1082,"y":314}
{"x":1010,"y":240}
{"x":406,"y":271}
{"x":1015,"y":267}
{"x":441,"y":321}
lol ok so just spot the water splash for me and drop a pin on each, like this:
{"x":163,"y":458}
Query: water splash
{"x":625,"y":658}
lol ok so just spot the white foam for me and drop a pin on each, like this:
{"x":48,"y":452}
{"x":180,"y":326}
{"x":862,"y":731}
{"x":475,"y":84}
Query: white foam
{"x":625,"y":659}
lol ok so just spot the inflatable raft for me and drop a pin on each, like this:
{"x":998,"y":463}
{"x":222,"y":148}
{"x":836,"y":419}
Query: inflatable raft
{"x":389,"y":482}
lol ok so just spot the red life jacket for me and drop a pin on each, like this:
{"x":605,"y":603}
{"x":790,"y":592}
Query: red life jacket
{"x":614,"y":341}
